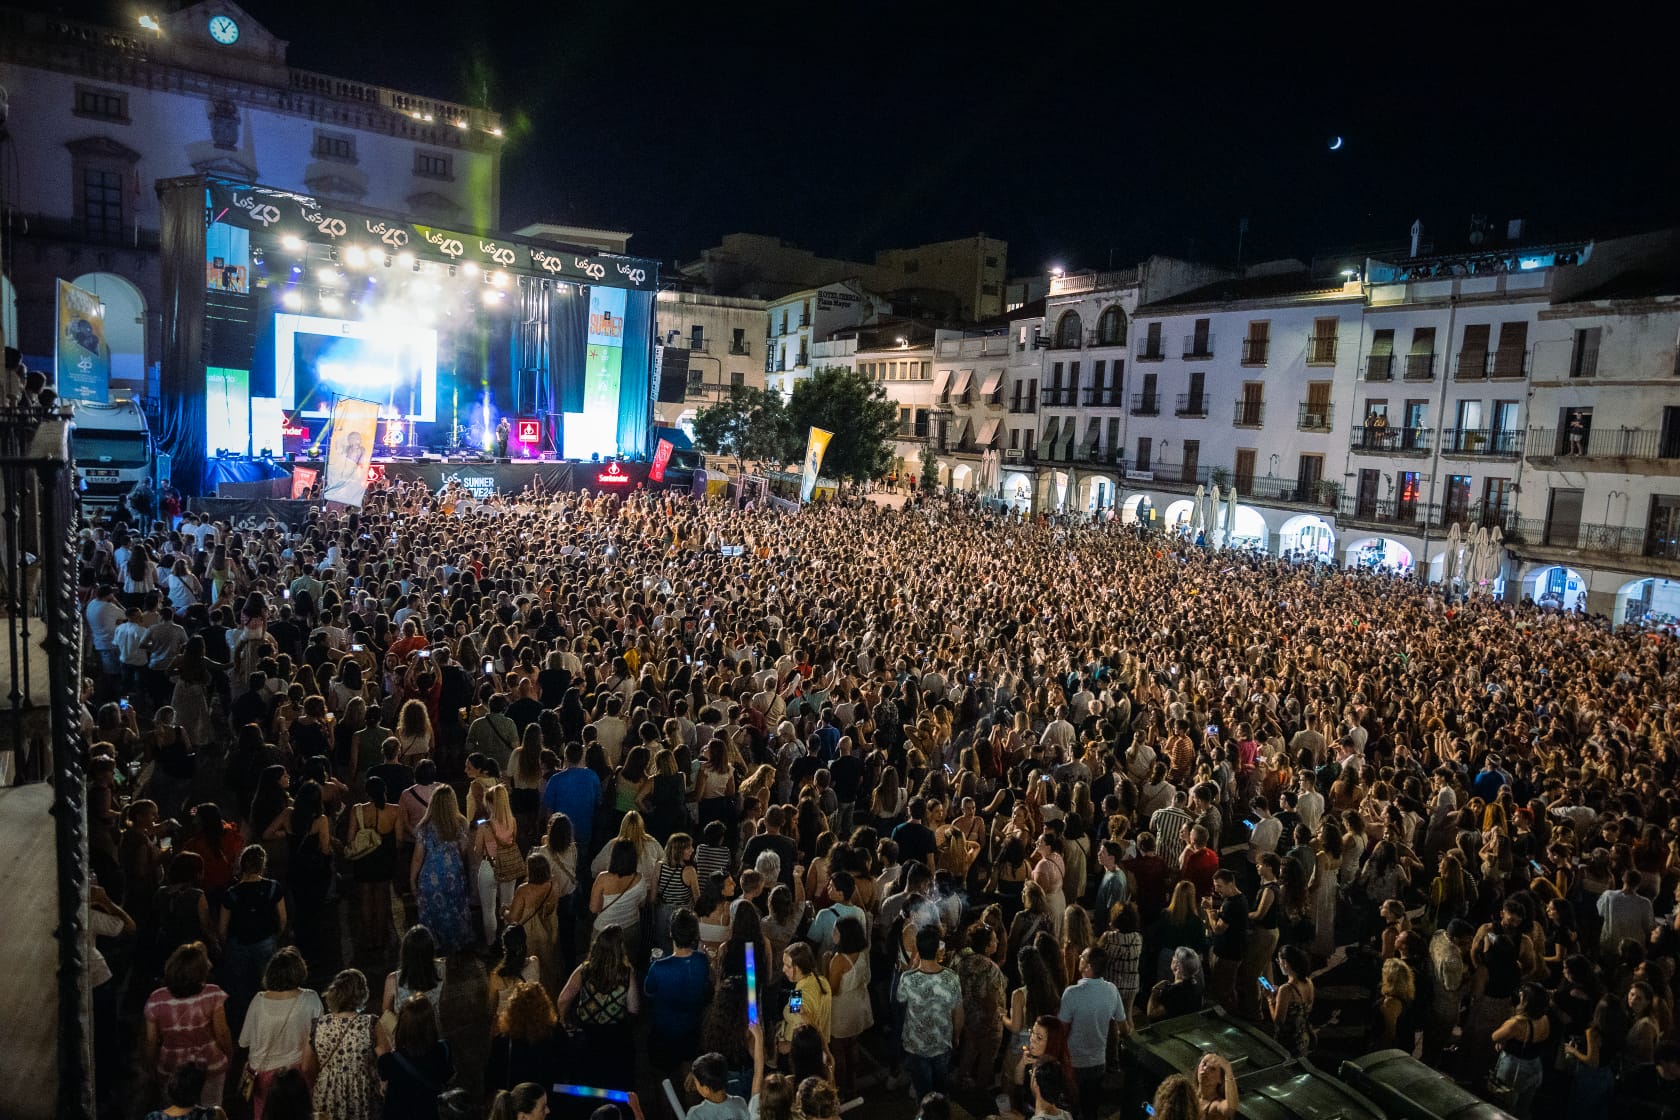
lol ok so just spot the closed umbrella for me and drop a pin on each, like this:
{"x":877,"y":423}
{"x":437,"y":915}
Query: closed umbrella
{"x":1072,"y":488}
{"x":1496,"y":556}
{"x":1198,"y":512}
{"x":1449,"y":558}
{"x":1476,"y":558}
{"x":1231,"y":516}
{"x":1210,"y":522}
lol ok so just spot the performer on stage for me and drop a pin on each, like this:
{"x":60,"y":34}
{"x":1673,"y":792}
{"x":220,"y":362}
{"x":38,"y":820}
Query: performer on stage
{"x":503,"y":431}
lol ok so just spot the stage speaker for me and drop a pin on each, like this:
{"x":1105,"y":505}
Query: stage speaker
{"x":673,"y":375}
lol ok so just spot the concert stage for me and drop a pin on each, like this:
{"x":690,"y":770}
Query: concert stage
{"x":272,"y":496}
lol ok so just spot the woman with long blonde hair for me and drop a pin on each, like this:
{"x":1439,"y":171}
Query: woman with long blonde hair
{"x":647,"y":849}
{"x":438,"y":875}
{"x":500,"y":866}
{"x":414,"y":733}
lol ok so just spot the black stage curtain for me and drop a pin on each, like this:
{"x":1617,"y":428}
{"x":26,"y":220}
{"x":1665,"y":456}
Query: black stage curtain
{"x":182,"y":378}
{"x":568,"y":341}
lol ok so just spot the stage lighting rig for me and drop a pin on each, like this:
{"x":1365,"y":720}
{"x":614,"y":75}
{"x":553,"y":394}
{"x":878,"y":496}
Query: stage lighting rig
{"x":292,"y":243}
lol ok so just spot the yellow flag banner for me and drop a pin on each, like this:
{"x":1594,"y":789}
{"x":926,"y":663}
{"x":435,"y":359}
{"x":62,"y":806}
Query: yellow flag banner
{"x":816,"y":445}
{"x":355,"y":423}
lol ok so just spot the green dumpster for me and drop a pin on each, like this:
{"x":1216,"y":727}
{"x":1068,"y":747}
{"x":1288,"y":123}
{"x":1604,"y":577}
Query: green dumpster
{"x":1409,"y":1090}
{"x":1300,"y":1091}
{"x":1157,"y":1051}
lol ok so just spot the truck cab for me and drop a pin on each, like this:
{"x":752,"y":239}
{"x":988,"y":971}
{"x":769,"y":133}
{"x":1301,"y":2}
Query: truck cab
{"x":112,"y":446}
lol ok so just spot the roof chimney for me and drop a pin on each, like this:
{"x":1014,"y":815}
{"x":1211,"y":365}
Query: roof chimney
{"x":1417,"y":235}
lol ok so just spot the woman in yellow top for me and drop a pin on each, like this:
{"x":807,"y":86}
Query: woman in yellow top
{"x":810,"y":992}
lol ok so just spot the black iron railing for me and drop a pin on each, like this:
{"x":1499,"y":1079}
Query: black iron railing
{"x":38,"y":522}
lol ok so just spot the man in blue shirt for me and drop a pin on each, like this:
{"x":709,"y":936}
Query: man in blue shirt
{"x":575,"y":791}
{"x":841,"y":887}
{"x":1088,"y":1008}
{"x":1490,"y":781}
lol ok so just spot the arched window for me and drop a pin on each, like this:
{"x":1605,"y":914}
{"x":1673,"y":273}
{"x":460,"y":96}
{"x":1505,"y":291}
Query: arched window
{"x":1111,"y":327}
{"x":1067,"y":331}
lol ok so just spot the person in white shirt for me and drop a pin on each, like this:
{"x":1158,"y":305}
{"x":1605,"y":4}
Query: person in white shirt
{"x":130,"y":640}
{"x":1310,"y":806}
{"x":104,"y":614}
{"x":1266,"y":833}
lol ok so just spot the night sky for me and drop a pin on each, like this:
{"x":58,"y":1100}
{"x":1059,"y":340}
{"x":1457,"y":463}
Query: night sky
{"x":848,"y":127}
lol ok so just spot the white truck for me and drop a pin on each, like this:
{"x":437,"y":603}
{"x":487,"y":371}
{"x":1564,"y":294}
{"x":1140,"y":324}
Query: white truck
{"x":112,"y":445}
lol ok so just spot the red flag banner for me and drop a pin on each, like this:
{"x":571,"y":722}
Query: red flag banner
{"x":661,"y":456}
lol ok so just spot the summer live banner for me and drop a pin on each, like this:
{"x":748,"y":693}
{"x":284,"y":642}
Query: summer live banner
{"x":81,"y":360}
{"x":816,"y":446}
{"x":284,"y":213}
{"x":355,"y":423}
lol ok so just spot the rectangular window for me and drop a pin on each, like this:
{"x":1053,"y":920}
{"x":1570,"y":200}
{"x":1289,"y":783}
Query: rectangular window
{"x":431,"y":165}
{"x":1321,"y":347}
{"x":335,"y":146}
{"x":988,"y":289}
{"x":1511,"y":358}
{"x":1244,"y":470}
{"x":102,"y":104}
{"x":697,"y":337}
{"x":737,"y":380}
{"x":1662,"y":530}
{"x":102,"y":203}
{"x":1457,"y":497}
{"x":1146,"y":447}
{"x":1563,"y":517}
{"x":1583,"y":361}
{"x":991,"y":262}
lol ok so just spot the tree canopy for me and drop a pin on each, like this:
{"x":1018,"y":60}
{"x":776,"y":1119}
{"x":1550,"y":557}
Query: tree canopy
{"x":856,"y":409}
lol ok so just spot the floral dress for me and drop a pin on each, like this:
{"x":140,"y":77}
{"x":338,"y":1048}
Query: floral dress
{"x":442,"y":892}
{"x":346,"y":1087}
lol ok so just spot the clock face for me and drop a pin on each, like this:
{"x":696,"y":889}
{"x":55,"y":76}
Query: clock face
{"x":224,"y":30}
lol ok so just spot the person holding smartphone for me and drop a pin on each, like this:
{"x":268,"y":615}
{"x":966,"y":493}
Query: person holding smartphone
{"x":1291,"y":1002}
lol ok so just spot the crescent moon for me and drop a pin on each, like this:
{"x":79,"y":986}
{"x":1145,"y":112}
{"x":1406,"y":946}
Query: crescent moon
{"x":1336,"y":144}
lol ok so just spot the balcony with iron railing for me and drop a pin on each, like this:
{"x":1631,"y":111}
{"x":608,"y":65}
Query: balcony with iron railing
{"x":1255,"y":351}
{"x":1248,"y":413}
{"x":1146,"y":404}
{"x":1058,"y":397}
{"x":1024,"y":404}
{"x":1314,"y":416}
{"x":699,"y":345}
{"x":1624,"y":541}
{"x":740,"y":347}
{"x":1071,"y":341}
{"x":1490,"y":443}
{"x":1381,"y":440}
{"x":1379,"y":367}
{"x":1191,"y":405}
{"x":1419,"y":367}
{"x":1501,"y":365}
{"x":1198,"y":346}
{"x":1288,"y":491}
{"x":1321,"y":350}
{"x":1101,"y":397}
{"x":1546,"y":445}
{"x":1414,"y":515}
{"x":1094,"y":337}
{"x":1152,"y":350}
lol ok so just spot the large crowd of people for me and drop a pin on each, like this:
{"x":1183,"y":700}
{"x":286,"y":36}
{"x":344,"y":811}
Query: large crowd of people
{"x":427,"y":808}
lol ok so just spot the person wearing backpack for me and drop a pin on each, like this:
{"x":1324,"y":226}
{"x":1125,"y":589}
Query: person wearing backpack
{"x":253,"y":916}
{"x":377,"y":827}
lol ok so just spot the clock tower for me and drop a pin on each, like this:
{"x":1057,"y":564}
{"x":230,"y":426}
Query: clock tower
{"x":223,"y":38}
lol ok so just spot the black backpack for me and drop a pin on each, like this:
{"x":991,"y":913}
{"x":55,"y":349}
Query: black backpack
{"x":251,"y":914}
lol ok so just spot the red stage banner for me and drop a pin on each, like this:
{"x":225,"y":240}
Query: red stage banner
{"x":528,"y":432}
{"x":303,"y":480}
{"x":613,"y":475}
{"x":661,"y":456}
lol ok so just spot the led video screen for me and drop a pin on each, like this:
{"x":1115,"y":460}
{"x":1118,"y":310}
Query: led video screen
{"x":317,"y":360}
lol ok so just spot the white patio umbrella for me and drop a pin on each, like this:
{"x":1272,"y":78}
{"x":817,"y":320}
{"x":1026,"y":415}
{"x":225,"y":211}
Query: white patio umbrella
{"x":1210,"y":521}
{"x":1231,"y":516}
{"x":1449,"y":558}
{"x":1496,"y":556}
{"x":1198,"y":512}
{"x":1072,"y":489}
{"x":1477,"y":554}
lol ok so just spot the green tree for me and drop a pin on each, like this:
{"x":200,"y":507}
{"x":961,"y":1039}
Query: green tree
{"x":929,"y":480}
{"x":857,"y":411}
{"x":747,"y":424}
